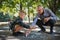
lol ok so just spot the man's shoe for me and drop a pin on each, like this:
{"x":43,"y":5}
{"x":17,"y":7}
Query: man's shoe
{"x":42,"y":31}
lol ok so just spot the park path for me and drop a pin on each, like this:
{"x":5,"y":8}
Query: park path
{"x":5,"y":34}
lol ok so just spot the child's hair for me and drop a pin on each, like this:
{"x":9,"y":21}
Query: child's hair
{"x":22,"y":11}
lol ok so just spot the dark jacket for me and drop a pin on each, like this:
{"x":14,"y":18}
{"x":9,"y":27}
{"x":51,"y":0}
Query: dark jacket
{"x":18,"y":21}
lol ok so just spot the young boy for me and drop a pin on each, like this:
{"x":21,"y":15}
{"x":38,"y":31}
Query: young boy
{"x":18,"y":24}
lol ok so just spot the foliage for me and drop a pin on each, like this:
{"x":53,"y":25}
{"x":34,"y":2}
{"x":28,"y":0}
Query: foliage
{"x":12,"y":6}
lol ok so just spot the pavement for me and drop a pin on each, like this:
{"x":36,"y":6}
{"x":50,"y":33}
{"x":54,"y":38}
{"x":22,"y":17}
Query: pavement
{"x":5,"y":34}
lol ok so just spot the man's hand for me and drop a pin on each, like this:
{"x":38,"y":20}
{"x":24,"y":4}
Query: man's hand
{"x":32,"y":27}
{"x":46,"y":19}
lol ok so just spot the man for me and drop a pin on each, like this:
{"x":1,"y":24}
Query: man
{"x":18,"y":24}
{"x":44,"y":17}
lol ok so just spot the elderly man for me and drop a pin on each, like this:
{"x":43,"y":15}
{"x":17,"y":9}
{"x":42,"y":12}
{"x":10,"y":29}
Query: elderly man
{"x":44,"y":17}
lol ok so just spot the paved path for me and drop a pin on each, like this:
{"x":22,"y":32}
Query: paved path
{"x":5,"y":34}
{"x":32,"y":36}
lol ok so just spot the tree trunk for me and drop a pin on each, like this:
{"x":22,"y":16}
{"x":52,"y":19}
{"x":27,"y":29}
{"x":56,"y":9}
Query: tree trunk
{"x":53,"y":5}
{"x":28,"y":15}
{"x":20,"y":5}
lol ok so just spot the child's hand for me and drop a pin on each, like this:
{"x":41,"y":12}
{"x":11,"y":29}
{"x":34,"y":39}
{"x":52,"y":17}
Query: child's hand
{"x":28,"y":32}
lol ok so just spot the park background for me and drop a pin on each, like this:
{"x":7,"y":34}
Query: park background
{"x":9,"y":8}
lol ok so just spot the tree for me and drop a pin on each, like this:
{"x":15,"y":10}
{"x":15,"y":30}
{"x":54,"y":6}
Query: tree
{"x":53,"y":5}
{"x":12,"y":6}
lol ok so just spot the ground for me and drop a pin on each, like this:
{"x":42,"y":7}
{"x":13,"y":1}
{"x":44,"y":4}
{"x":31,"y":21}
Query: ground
{"x":5,"y":34}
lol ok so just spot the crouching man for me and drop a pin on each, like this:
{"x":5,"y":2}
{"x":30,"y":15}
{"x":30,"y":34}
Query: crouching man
{"x":44,"y":17}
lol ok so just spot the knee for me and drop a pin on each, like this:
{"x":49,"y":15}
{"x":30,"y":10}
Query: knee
{"x":52,"y":22}
{"x":39,"y":22}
